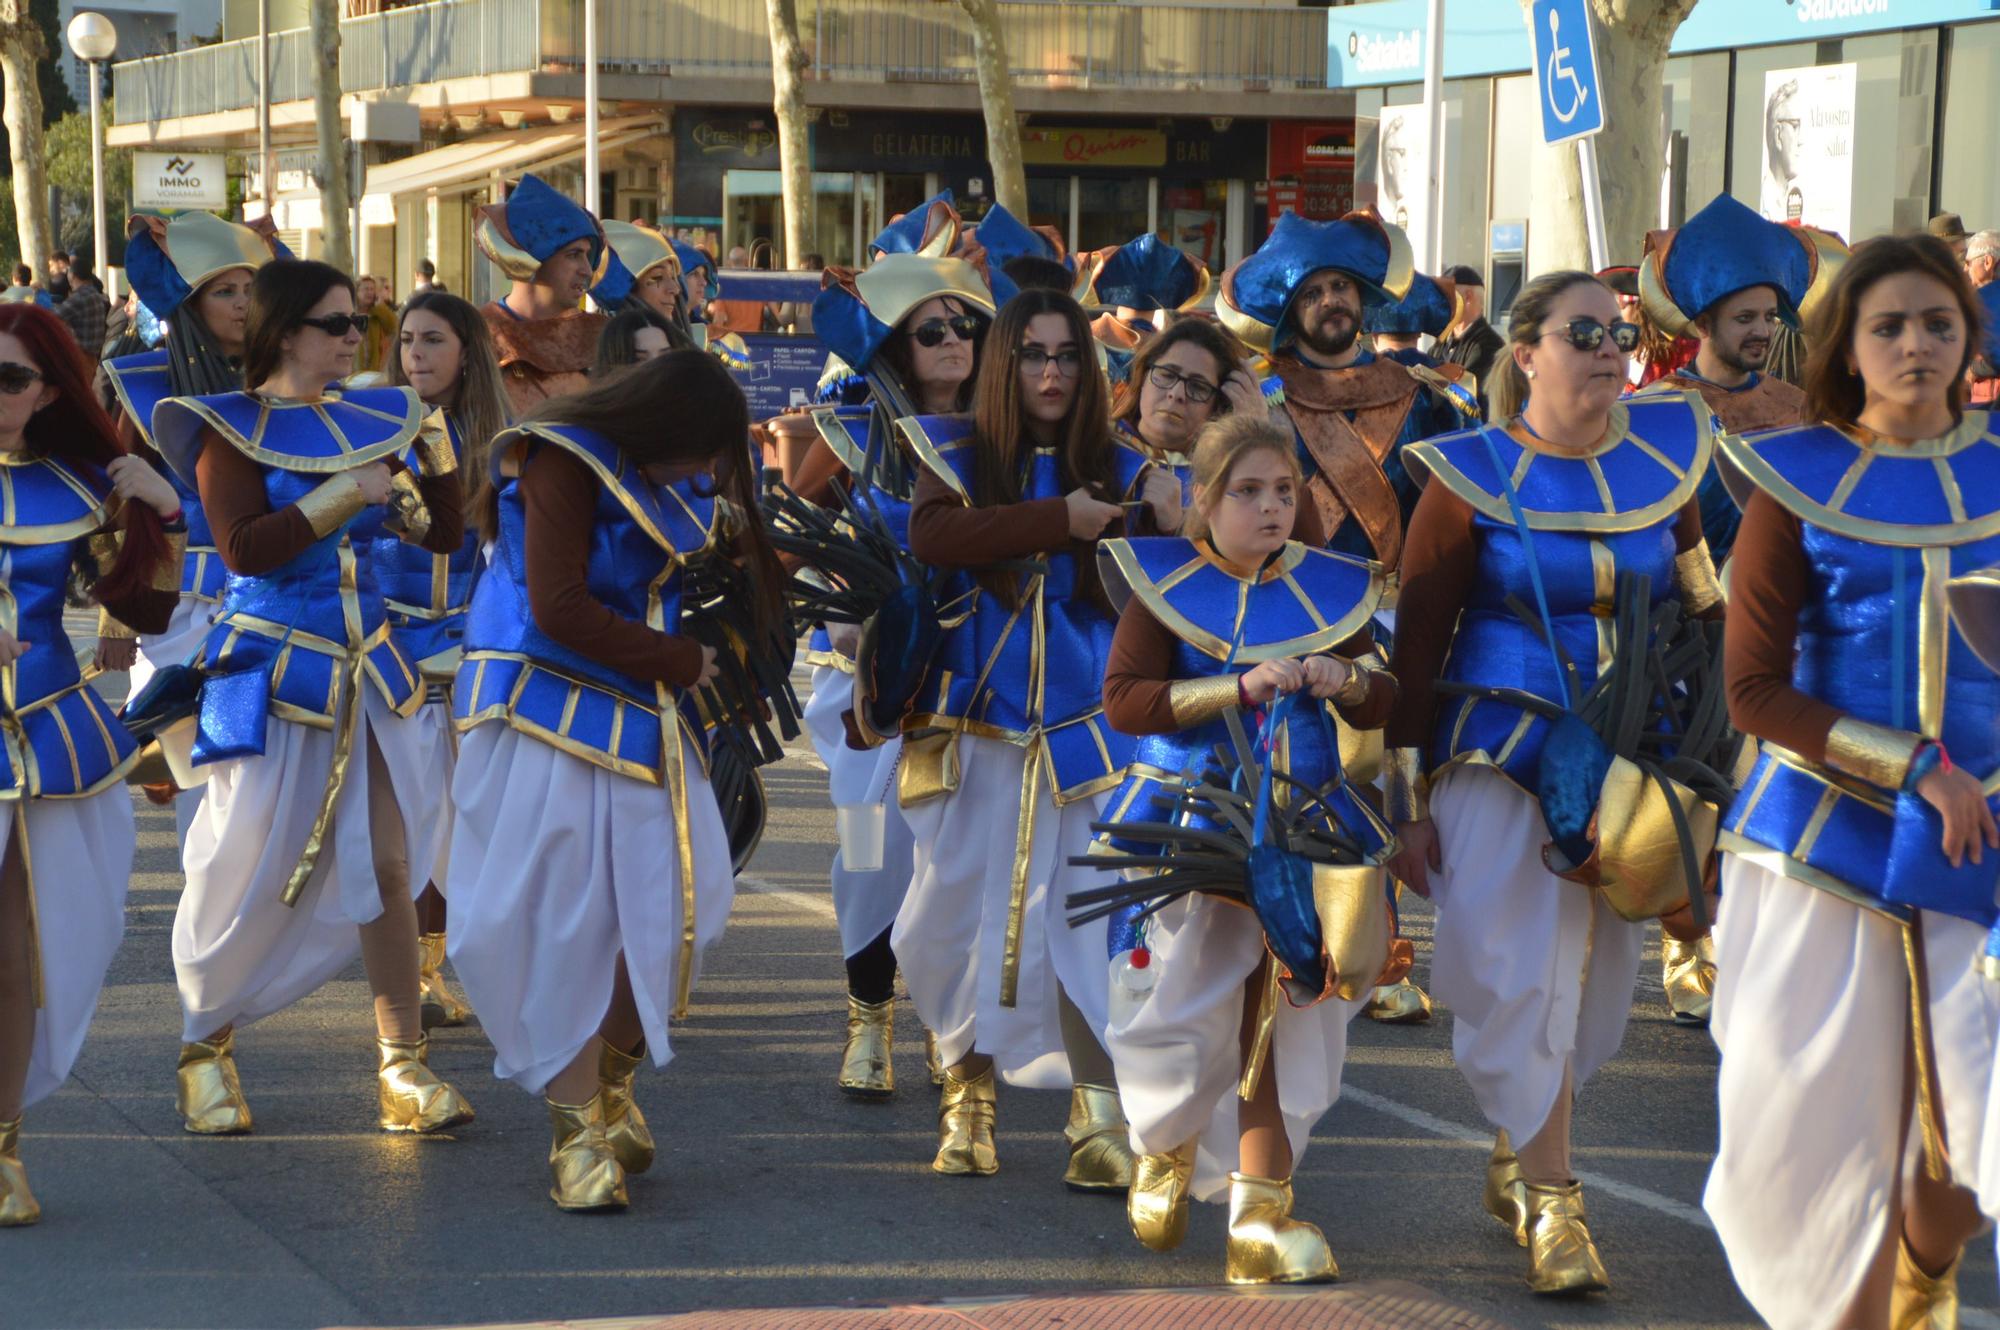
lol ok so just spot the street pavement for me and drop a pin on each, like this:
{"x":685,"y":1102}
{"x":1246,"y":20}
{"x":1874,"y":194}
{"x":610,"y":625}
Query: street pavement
{"x":771,"y":1188}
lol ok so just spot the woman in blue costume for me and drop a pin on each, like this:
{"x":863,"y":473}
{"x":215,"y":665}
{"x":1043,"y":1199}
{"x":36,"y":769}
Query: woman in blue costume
{"x":74,"y":499}
{"x":1006,"y":755}
{"x":1538,"y":971}
{"x":1236,"y":615}
{"x":194,"y":272}
{"x":321,"y":762}
{"x":591,"y":869}
{"x":1181,"y":379}
{"x":1859,"y":866}
{"x":914,"y":325}
{"x":445,"y":354}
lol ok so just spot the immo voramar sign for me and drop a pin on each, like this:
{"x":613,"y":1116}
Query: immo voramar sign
{"x":180,"y":180}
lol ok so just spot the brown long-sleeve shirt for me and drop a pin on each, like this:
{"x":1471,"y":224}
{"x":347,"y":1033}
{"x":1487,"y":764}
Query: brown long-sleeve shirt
{"x":948,"y":533}
{"x":559,"y":500}
{"x":1769,"y":581}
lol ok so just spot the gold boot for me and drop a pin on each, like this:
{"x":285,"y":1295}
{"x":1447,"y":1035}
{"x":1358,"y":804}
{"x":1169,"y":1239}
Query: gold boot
{"x":1100,"y":1144}
{"x":1918,"y":1301}
{"x":17,"y":1204}
{"x":440,"y":1005}
{"x":865,"y":1069}
{"x":624,"y":1125}
{"x":410,"y":1094}
{"x":1267,"y":1245}
{"x":583,"y":1168}
{"x":207,"y":1091}
{"x":1157,"y":1205}
{"x":1561,"y":1256}
{"x":1687,"y":970}
{"x":1506,"y":1196}
{"x":931,"y":1059}
{"x":1400,"y":1003}
{"x":965,"y":1127}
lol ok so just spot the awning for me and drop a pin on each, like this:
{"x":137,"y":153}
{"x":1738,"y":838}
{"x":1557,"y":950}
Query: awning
{"x":459,"y":167}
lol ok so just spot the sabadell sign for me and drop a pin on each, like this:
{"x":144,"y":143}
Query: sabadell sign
{"x":180,"y":180}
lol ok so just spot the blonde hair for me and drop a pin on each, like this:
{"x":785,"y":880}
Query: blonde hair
{"x":1223,"y":443}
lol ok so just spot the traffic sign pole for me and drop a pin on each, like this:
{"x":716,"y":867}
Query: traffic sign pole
{"x":1593,"y":203}
{"x":1572,"y":99}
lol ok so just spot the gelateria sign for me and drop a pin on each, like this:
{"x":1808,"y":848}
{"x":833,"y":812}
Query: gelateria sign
{"x":180,"y":180}
{"x":1054,"y":145}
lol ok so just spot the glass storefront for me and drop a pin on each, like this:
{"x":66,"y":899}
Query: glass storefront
{"x":1968,"y":169}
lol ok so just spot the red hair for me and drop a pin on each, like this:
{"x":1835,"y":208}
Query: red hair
{"x":75,"y":428}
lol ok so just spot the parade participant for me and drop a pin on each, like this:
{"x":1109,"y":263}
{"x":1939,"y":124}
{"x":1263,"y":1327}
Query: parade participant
{"x":914,"y":326}
{"x":321,"y":765}
{"x":1856,"y":1032}
{"x":1660,"y":353}
{"x":592,"y":869}
{"x":75,"y":499}
{"x":1002,"y":241}
{"x":1396,"y":330}
{"x":643,"y":272}
{"x":698,"y":283}
{"x":1214,"y":621}
{"x":633,"y":336}
{"x":1181,"y":379}
{"x":445,"y":353}
{"x":194,"y":273}
{"x":1538,"y":971}
{"x":553,"y":252}
{"x":1141,"y":284}
{"x":1006,"y":756}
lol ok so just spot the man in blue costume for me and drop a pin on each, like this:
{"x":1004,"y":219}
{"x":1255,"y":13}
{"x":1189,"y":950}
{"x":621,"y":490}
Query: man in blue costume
{"x":554,"y":252}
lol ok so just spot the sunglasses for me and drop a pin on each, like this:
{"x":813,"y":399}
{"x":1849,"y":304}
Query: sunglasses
{"x":1198,"y":390}
{"x":17,"y":379}
{"x":1586,"y":334}
{"x":337,"y":325}
{"x":930,"y":333}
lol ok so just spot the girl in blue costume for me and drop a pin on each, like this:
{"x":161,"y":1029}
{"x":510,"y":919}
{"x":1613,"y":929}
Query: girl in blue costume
{"x":194,"y":272}
{"x":1858,"y":863}
{"x":1181,"y":379}
{"x":590,"y":867}
{"x":1006,"y":756}
{"x":444,"y":352}
{"x":74,"y":498}
{"x":1538,"y":971}
{"x":321,"y":762}
{"x":1236,"y":615}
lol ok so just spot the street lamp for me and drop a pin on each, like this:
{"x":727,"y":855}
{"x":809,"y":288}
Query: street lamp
{"x":94,"y":39}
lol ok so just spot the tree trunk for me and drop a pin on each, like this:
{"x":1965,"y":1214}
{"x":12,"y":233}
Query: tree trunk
{"x":22,"y":50}
{"x":1632,"y":41}
{"x":788,"y":103}
{"x":996,"y":98}
{"x":335,"y":199}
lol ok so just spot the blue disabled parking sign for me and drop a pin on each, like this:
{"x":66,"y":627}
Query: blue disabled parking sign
{"x":1566,"y":70}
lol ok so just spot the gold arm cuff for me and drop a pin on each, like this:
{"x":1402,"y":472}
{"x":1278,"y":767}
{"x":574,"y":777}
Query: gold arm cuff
{"x":103,"y":546}
{"x":167,"y":573}
{"x":408,"y":517}
{"x":434,"y":451}
{"x":1360,"y":679}
{"x":330,"y":503}
{"x":1694,"y":577}
{"x":1405,"y":792}
{"x":1195,"y":701}
{"x":1875,"y":753}
{"x":110,"y":626}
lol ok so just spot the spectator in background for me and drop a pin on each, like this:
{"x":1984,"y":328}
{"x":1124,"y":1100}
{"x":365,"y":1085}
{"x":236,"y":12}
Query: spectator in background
{"x":797,"y":317}
{"x":1950,"y":228}
{"x":59,"y":279}
{"x":86,"y":309}
{"x":1471,"y":341}
{"x":737,"y":316}
{"x":1982,"y":265}
{"x":426,"y":278}
{"x":381,"y":334}
{"x":1982,"y":257}
{"x":22,"y":292}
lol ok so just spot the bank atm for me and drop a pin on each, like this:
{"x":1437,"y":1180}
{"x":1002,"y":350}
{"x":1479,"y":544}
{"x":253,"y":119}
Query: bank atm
{"x":1507,"y":266}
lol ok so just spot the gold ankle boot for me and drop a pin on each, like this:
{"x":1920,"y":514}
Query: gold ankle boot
{"x":207,"y":1091}
{"x":624,"y":1125}
{"x":583,"y":1168}
{"x":965,"y":1127}
{"x":1506,"y":1196}
{"x":932,"y":1061}
{"x":1687,"y":971}
{"x":1917,"y":1302}
{"x":411,"y":1096}
{"x":17,"y":1204}
{"x":865,"y":1069}
{"x":1157,"y":1205}
{"x":1561,"y":1256}
{"x":1100,"y":1144}
{"x":440,"y":1005}
{"x":1400,"y":1003}
{"x":1267,"y":1245}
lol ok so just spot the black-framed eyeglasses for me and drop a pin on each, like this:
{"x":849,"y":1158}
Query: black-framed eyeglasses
{"x":1587,"y":334}
{"x":16,"y":379}
{"x":337,"y":325}
{"x":1198,"y":389}
{"x":930,"y":333}
{"x":1035,"y":361}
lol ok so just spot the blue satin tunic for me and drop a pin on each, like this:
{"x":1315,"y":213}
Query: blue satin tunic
{"x":428,"y":593}
{"x":850,"y":431}
{"x":140,"y":384}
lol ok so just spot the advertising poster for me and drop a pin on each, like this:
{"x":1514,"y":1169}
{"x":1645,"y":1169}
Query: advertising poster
{"x":1809,"y":146}
{"x":1402,"y":174}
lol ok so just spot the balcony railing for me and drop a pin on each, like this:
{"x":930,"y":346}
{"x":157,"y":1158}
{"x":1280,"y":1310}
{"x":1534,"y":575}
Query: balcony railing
{"x":1052,"y":43}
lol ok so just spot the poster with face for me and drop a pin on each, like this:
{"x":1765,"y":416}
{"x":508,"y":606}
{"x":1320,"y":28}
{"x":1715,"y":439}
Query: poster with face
{"x":1809,"y":146}
{"x":1402,"y":175}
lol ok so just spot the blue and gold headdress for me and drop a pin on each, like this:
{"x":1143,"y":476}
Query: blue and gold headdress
{"x":166,"y":260}
{"x":1257,"y":293}
{"x":532,"y":226}
{"x":636,"y":249}
{"x":1726,"y":248}
{"x":1146,"y":273}
{"x":930,"y":229}
{"x":1430,"y":306}
{"x":856,"y":314}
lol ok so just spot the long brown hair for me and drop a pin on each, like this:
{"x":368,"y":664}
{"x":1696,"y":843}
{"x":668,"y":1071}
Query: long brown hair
{"x":76,"y":428}
{"x":1531,"y":309}
{"x":1001,"y":427}
{"x":1207,"y":334}
{"x":1835,"y":394}
{"x":478,"y":404}
{"x":283,"y":294}
{"x":684,"y":407}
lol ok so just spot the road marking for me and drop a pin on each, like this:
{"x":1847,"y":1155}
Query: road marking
{"x":798,"y":900}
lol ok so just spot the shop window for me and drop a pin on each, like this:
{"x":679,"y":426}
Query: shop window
{"x":1968,"y":169}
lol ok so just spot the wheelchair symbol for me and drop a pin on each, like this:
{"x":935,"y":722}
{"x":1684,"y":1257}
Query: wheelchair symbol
{"x":1559,"y":70}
